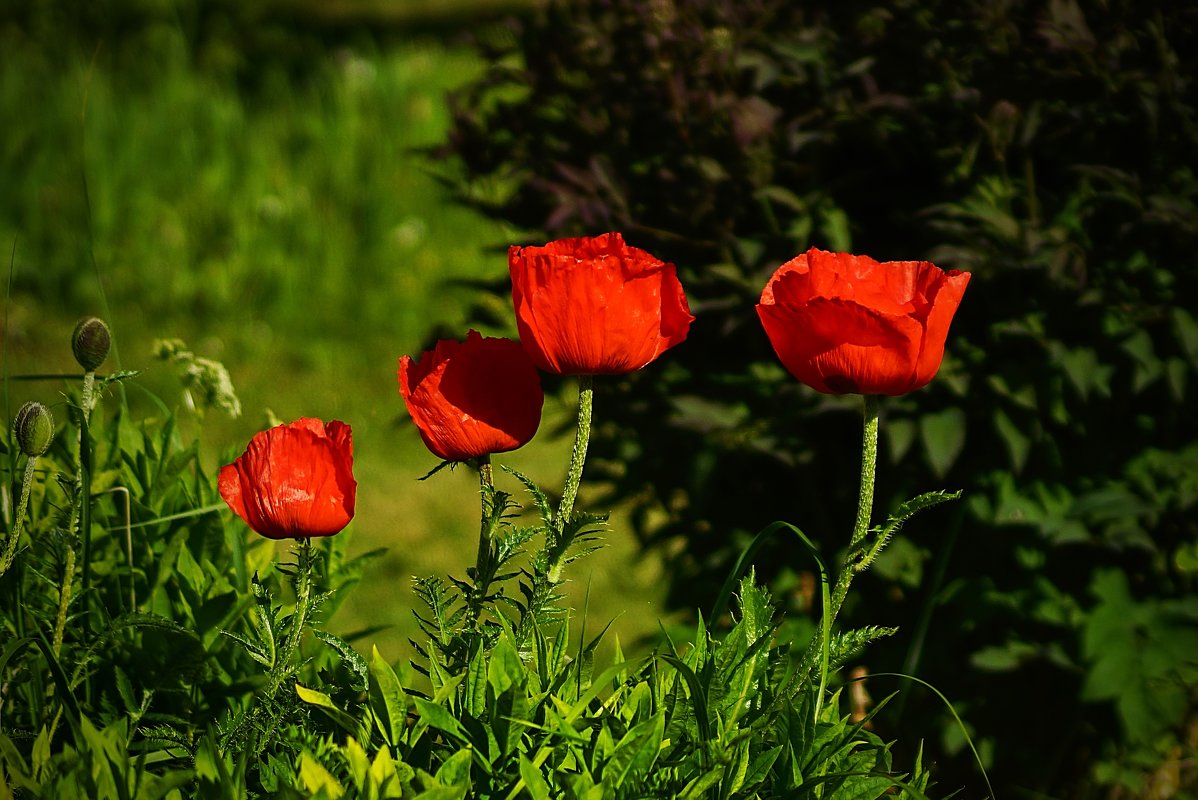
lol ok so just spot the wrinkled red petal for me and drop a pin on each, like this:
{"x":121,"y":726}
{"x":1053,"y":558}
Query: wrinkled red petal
{"x":594,"y":305}
{"x":836,"y":346}
{"x":472,"y":398}
{"x":945,"y":296}
{"x":294,"y":481}
{"x":849,"y":324}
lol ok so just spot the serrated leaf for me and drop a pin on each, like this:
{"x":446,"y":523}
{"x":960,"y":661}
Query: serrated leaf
{"x":350,"y":657}
{"x":255,"y":652}
{"x":843,"y":645}
{"x":903,"y":513}
{"x":538,"y":496}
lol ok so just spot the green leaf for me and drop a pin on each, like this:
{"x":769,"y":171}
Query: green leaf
{"x":1187,"y":334}
{"x":387,"y":699}
{"x":834,"y":225}
{"x":846,"y":644}
{"x":350,"y":657}
{"x":536,"y":786}
{"x":698,"y":695}
{"x":1017,"y":442}
{"x":701,"y":784}
{"x":456,"y":769}
{"x":636,"y":753}
{"x":538,"y":496}
{"x":900,"y":435}
{"x":475,"y":698}
{"x":316,"y":778}
{"x":326,"y":704}
{"x":943,"y":437}
{"x":504,"y":668}
{"x":760,"y":766}
{"x":439,"y":717}
{"x":41,"y":752}
{"x":901,"y":563}
{"x":736,"y":770}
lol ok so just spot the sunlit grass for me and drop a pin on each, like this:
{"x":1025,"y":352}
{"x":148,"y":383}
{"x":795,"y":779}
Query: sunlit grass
{"x":295,"y":233}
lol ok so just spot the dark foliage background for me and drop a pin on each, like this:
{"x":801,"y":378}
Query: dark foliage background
{"x":1048,"y":147}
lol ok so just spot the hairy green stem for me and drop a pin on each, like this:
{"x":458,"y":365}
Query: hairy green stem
{"x":299,"y":620}
{"x":865,"y":504}
{"x":64,"y":599}
{"x":18,"y":525}
{"x":578,"y":456}
{"x":486,"y":487}
{"x":483,"y":568}
{"x":87,"y":401}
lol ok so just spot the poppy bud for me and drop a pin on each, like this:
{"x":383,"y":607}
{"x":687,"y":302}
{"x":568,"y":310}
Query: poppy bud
{"x":90,"y":342}
{"x":33,"y":428}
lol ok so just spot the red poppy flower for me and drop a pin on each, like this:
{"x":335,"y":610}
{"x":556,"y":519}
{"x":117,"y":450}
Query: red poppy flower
{"x":848,"y":324}
{"x":294,"y":481}
{"x":472,"y":398}
{"x":594,"y":305}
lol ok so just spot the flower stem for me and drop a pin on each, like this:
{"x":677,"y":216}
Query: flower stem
{"x":18,"y":526}
{"x":483,"y":568}
{"x":86,"y":402}
{"x":64,"y":598}
{"x":299,"y":620}
{"x":579,"y":455}
{"x":486,"y":487}
{"x":865,"y":504}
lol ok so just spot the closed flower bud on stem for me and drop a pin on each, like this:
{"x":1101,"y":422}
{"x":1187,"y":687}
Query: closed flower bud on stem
{"x":90,"y":343}
{"x":33,"y":429}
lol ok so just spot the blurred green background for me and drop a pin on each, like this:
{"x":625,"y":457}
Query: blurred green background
{"x":254,"y":181}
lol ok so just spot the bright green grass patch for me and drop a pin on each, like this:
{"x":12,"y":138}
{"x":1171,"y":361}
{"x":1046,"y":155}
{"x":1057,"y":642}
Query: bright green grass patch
{"x":295,"y":232}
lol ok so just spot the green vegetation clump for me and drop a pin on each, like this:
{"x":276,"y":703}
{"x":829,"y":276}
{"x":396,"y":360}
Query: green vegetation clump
{"x":152,"y":650}
{"x":1047,"y":147}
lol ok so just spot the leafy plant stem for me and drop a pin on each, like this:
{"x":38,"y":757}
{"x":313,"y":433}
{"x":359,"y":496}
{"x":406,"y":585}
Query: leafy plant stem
{"x":86,"y":402}
{"x":865,"y":501}
{"x":483,"y":568}
{"x":486,"y":486}
{"x":578,"y":455}
{"x":64,"y":598}
{"x":18,"y":526}
{"x":299,"y":620}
